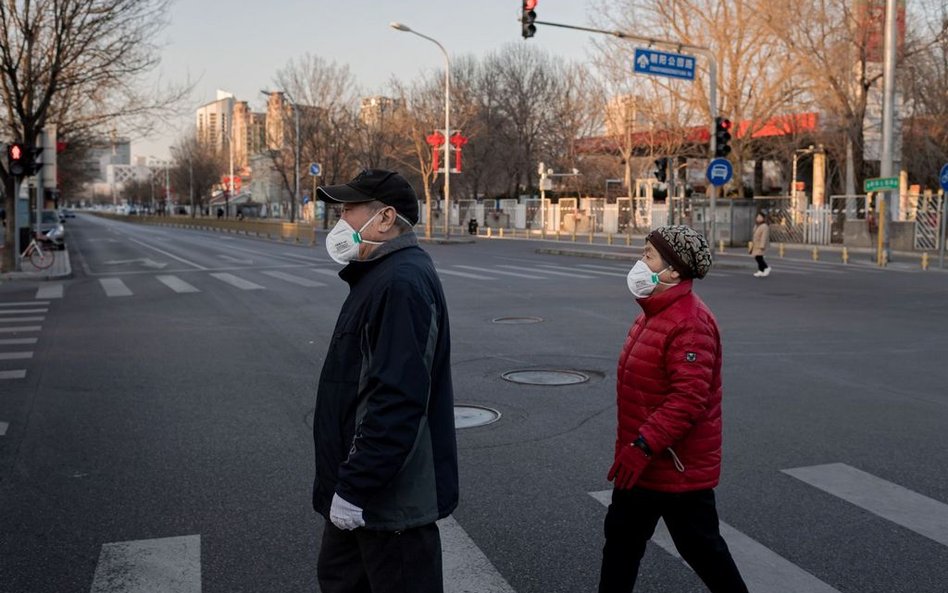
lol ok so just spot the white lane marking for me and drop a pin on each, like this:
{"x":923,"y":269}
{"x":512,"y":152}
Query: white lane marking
{"x":238,"y":282}
{"x":51,"y":291}
{"x":586,"y":271}
{"x":176,"y":284}
{"x":234,"y":260}
{"x":325,"y":272}
{"x":466,"y":568}
{"x":23,"y":328}
{"x":20,"y":319}
{"x":3,"y":428}
{"x":923,"y":515}
{"x":464,"y":275}
{"x":492,"y":271}
{"x":12,"y":341}
{"x":18,"y":374}
{"x":606,"y":268}
{"x":555,"y":273}
{"x":762,"y":568}
{"x":166,"y":565}
{"x":294,"y":279}
{"x":15,"y":355}
{"x":24,"y":304}
{"x":114,"y":287}
{"x":21,"y":311}
{"x":171,"y":255}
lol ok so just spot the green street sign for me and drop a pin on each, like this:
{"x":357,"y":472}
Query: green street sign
{"x":881,"y":183}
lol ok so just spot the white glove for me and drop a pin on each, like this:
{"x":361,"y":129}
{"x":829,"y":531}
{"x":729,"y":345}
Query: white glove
{"x":344,"y":514}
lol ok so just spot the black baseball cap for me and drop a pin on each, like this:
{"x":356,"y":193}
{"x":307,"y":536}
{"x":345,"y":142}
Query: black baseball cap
{"x":382,"y":185}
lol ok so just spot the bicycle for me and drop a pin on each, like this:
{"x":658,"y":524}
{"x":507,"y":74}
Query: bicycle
{"x":39,"y":257}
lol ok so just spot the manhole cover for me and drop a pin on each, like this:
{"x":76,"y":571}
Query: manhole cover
{"x":471,"y":416}
{"x":516,"y":320}
{"x":545,"y":377}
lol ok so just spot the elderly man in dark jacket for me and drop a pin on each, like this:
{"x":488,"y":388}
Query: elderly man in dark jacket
{"x":386,"y":454}
{"x":668,"y":443}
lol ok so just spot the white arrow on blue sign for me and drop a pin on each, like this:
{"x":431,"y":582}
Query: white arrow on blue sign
{"x":661,"y":63}
{"x":719,"y":172}
{"x":943,"y":177}
{"x":315,"y":169}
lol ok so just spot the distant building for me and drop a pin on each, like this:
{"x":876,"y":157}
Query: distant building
{"x":213,"y":121}
{"x":250,"y":135}
{"x":373,"y":111}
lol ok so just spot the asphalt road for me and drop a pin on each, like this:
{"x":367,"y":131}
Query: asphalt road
{"x":170,"y":393}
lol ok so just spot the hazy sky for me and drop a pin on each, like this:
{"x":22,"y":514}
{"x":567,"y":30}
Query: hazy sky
{"x":226,"y":45}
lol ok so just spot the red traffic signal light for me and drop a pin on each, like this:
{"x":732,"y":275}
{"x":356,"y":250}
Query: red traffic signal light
{"x":722,"y":137}
{"x":527,"y":28}
{"x":16,"y":159}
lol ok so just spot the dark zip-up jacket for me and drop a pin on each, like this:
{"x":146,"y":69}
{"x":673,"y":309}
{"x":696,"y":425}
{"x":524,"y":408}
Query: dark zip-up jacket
{"x":384,"y":422}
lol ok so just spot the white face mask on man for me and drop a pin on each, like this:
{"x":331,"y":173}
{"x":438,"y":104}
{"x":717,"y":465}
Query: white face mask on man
{"x":642,"y":280}
{"x":342,"y":242}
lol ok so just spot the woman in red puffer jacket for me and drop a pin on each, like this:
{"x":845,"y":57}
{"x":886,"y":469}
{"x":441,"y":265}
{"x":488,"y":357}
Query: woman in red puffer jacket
{"x":668,"y":445}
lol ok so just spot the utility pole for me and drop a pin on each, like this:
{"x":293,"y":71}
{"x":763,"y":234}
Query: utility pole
{"x":890,"y":203}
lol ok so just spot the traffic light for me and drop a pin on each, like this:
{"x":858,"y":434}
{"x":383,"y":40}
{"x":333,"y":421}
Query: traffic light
{"x":722,"y":137}
{"x":527,"y":28}
{"x":35,"y":164}
{"x":661,"y":169}
{"x":17,"y":160}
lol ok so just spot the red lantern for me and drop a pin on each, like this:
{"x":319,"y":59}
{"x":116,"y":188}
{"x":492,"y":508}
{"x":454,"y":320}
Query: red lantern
{"x":435,"y":139}
{"x":457,"y":141}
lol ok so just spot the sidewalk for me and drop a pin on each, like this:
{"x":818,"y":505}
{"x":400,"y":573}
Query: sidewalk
{"x":61,"y":268}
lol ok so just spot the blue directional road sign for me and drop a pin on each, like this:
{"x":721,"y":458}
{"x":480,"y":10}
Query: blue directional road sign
{"x":943,"y":178}
{"x":720,"y":172}
{"x":660,"y":63}
{"x":315,"y":169}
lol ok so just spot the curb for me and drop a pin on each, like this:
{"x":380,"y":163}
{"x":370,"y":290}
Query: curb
{"x":41,"y":275}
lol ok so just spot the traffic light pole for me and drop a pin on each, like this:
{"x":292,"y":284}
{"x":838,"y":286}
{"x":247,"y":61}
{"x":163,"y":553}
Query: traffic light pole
{"x":712,"y":91}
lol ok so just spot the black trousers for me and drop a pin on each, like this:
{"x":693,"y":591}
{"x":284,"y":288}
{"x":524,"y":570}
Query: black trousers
{"x":692,"y":521}
{"x":761,"y":264}
{"x":364,"y":561}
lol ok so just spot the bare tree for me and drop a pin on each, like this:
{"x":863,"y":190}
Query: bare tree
{"x":77,"y":64}
{"x":197,"y":168}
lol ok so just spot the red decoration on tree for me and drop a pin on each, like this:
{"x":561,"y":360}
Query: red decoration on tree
{"x":457,"y":141}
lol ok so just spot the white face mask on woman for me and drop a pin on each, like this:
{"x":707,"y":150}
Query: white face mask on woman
{"x":642,"y":280}
{"x":342,"y":242}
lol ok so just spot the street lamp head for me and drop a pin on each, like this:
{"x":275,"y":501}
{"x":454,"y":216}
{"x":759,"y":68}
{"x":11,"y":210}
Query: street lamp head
{"x":399,"y":27}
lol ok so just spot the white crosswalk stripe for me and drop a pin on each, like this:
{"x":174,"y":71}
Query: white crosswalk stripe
{"x":465,"y":567}
{"x":3,"y":428}
{"x":237,"y":281}
{"x":166,"y":565}
{"x":763,"y":570}
{"x":177,"y":284}
{"x":294,"y":279}
{"x":502,"y":272}
{"x":22,"y":311}
{"x":585,"y":271}
{"x":114,"y":287}
{"x":895,"y":503}
{"x":20,"y":319}
{"x":554,"y":272}
{"x":14,"y":341}
{"x":24,"y":304}
{"x":17,"y":374}
{"x":50,"y":291}
{"x":15,"y":355}
{"x":465,"y":275}
{"x":20,"y":329}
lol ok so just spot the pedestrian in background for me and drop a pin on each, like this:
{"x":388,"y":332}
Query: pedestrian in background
{"x":668,"y":445}
{"x":760,"y":244}
{"x":386,"y":453}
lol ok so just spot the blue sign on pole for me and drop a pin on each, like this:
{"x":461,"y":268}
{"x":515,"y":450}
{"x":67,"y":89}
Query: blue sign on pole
{"x":719,"y":172}
{"x":943,"y":178}
{"x":315,"y":169}
{"x":660,"y":63}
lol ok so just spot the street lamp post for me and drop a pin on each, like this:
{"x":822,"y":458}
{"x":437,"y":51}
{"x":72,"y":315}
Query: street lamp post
{"x":296,"y":158}
{"x":447,"y":124}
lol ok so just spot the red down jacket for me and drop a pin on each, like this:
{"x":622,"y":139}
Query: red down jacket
{"x":669,"y":391}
